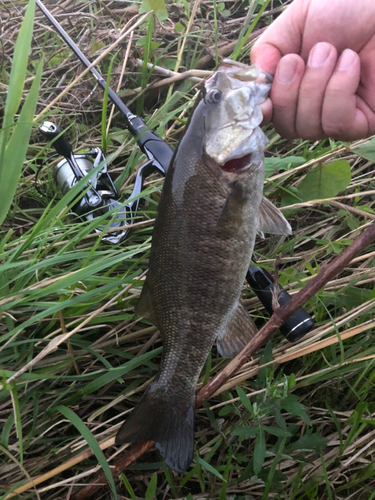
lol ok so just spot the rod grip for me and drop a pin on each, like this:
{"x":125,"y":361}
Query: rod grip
{"x":295,"y":327}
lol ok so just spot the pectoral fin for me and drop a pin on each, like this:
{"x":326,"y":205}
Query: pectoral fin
{"x":271,"y":220}
{"x":145,"y":304}
{"x":232,"y":208}
{"x":239,"y":330}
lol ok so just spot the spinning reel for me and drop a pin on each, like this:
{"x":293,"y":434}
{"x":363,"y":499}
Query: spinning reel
{"x":101,"y":195}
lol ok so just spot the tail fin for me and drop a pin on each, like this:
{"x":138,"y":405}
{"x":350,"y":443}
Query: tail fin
{"x":156,"y":420}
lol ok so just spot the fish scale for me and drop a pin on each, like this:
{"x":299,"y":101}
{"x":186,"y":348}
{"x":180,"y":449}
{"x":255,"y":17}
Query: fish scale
{"x":203,"y":239}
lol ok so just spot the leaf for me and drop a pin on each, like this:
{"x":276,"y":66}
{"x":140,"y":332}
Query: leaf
{"x":292,"y":405}
{"x":314,"y":442}
{"x":365,"y":208}
{"x":151,"y":488}
{"x":180,"y":28}
{"x":280,"y":420}
{"x":58,"y":58}
{"x":274,"y":164}
{"x":275,"y":431}
{"x":225,"y":13}
{"x":225,"y":411}
{"x":128,"y":486}
{"x":290,"y":196}
{"x":265,"y":357}
{"x":90,"y":439}
{"x":325,"y":181}
{"x":259,"y":451}
{"x":245,"y":432}
{"x":243,"y":37}
{"x":366,"y":150}
{"x":141,"y":42}
{"x":209,"y":468}
{"x":96,"y":46}
{"x":244,"y":399}
{"x":157,"y":6}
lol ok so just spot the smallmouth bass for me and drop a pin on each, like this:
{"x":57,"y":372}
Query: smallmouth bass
{"x":209,"y":213}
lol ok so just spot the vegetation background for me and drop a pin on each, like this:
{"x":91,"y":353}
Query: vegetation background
{"x":297,"y":421}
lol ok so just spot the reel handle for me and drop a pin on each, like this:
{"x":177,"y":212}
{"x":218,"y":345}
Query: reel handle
{"x":64,"y":148}
{"x":52,"y":131}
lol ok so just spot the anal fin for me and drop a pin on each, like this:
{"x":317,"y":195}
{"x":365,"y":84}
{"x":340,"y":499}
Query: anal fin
{"x":145,"y":304}
{"x":239,"y":330}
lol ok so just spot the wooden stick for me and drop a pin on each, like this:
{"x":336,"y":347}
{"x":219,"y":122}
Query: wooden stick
{"x":137,"y":450}
{"x":277,"y":319}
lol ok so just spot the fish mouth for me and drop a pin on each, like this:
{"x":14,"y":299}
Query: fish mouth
{"x":237,"y":165}
{"x":240,"y":159}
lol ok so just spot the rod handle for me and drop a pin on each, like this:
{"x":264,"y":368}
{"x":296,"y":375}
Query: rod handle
{"x":295,"y":327}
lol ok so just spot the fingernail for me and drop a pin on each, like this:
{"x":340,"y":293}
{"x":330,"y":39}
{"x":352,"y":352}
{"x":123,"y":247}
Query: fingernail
{"x":319,"y":54}
{"x":346,"y":60}
{"x":286,"y":71}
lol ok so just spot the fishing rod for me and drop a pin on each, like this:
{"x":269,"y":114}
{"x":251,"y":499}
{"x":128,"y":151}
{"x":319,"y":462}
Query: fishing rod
{"x":102,"y":196}
{"x":150,"y":143}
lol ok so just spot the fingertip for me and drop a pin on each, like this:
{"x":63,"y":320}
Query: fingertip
{"x":349,"y":61}
{"x":290,"y":70}
{"x":319,"y":69}
{"x":284,"y":94}
{"x":266,"y":109}
{"x":343,"y":115}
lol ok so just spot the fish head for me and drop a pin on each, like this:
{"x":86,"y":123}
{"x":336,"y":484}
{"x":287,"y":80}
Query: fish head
{"x":232,"y":114}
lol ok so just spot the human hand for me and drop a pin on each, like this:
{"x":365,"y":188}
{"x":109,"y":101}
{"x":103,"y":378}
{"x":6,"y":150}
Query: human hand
{"x":322,"y":53}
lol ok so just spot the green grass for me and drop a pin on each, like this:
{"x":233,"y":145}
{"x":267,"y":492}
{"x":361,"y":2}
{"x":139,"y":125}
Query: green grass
{"x":302,"y":428}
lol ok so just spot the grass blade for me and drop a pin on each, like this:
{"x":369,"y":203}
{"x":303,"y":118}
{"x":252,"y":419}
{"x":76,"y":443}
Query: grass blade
{"x":151,"y":488}
{"x":15,"y":150}
{"x":91,"y":441}
{"x":17,"y":413}
{"x":17,"y":74}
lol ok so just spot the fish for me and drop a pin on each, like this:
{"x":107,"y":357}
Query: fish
{"x":210,"y":210}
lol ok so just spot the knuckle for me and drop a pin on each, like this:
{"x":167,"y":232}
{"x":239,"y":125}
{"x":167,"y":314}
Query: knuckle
{"x":286,"y":133}
{"x":310,"y":90}
{"x":335,"y":129}
{"x":311,"y":132}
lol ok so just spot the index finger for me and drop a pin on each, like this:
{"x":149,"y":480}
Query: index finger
{"x":283,"y":36}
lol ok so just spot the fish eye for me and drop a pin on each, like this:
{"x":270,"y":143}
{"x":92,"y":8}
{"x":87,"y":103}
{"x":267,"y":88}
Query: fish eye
{"x":214,"y":96}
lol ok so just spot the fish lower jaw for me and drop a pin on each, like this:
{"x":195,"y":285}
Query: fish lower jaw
{"x":237,"y":165}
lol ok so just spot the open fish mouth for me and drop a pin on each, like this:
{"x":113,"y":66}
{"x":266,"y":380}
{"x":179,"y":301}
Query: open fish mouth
{"x":239,"y":159}
{"x":237,"y":165}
